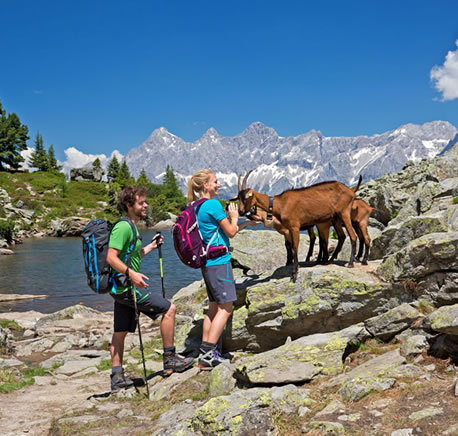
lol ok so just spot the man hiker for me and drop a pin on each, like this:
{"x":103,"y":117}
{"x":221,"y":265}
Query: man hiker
{"x":130,"y":280}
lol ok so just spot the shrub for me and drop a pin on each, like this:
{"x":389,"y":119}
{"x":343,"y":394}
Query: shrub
{"x":7,"y":230}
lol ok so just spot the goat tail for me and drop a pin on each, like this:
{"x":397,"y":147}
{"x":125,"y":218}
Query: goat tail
{"x":359,"y":183}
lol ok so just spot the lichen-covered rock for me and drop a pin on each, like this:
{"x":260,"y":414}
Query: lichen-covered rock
{"x":301,"y":360}
{"x":413,"y":345}
{"x":248,"y":411}
{"x":395,"y":237}
{"x":354,"y":389}
{"x":243,"y":411}
{"x":388,"y":365}
{"x":441,"y":288}
{"x":426,"y":413}
{"x":444,"y":320}
{"x":263,"y":250}
{"x":421,"y":257}
{"x":325,"y":427}
{"x":323,"y":299}
{"x":390,"y":323}
{"x":222,"y":380}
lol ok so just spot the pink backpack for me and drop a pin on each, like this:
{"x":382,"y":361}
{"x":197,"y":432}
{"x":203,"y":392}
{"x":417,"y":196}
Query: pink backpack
{"x":187,"y":238}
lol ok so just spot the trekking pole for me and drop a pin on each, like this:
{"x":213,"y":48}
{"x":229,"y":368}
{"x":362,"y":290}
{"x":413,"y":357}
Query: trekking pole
{"x":137,"y":318}
{"x":159,"y":248}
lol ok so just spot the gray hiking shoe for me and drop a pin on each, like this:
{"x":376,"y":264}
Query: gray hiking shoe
{"x":174,"y":363}
{"x":210,"y":359}
{"x":120,"y":381}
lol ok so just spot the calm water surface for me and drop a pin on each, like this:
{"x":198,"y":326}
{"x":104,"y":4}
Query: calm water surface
{"x":55,"y":267}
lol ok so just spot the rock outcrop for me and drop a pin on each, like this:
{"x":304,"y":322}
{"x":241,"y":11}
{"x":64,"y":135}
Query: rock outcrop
{"x":93,"y":174}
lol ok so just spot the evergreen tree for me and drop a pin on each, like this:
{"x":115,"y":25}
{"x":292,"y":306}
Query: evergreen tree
{"x":113,"y":169}
{"x":124,"y":178}
{"x":13,"y":140}
{"x":52,"y":161}
{"x":170,"y":183}
{"x":143,"y":179}
{"x":39,"y":158}
{"x":172,"y":191}
{"x":97,"y":163}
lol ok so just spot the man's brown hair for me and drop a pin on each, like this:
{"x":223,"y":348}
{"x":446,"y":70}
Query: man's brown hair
{"x":129,"y":195}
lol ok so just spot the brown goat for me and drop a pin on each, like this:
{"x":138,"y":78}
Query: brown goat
{"x":323,"y":233}
{"x":360,"y":214}
{"x":298,"y":208}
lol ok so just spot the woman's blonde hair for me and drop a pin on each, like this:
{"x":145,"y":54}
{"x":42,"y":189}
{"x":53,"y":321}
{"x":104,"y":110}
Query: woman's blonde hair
{"x":196,"y":183}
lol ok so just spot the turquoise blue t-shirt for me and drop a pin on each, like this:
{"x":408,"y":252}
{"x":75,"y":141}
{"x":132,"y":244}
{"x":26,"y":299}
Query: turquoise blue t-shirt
{"x":209,"y":215}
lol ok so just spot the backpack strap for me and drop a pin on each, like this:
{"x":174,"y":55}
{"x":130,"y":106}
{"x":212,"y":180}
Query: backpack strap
{"x":197,"y":207}
{"x":131,"y":247}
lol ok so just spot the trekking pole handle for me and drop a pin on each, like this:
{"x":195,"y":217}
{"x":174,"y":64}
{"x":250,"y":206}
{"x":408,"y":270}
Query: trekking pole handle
{"x":157,"y":239}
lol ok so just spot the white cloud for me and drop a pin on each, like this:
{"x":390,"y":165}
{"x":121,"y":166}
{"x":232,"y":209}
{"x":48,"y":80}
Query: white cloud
{"x":26,"y":155}
{"x":445,"y":77}
{"x":78,"y":159}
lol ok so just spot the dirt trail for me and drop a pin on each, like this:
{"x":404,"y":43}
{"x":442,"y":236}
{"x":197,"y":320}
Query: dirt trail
{"x":31,"y":410}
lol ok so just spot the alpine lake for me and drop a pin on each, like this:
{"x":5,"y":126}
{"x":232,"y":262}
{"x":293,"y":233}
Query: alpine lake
{"x":54,"y":267}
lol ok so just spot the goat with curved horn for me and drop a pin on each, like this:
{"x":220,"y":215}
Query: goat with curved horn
{"x":244,"y":181}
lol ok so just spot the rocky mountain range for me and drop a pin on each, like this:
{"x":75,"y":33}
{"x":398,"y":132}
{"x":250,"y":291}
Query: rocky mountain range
{"x":281,"y":163}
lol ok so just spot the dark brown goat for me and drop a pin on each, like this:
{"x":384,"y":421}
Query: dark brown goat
{"x":360,"y":214}
{"x":298,"y":208}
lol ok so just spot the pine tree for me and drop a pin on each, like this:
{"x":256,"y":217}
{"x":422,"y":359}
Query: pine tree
{"x":13,"y":140}
{"x":124,"y":178}
{"x":113,"y":169}
{"x":39,"y":158}
{"x":172,"y":190}
{"x":170,"y":182}
{"x":143,"y":179}
{"x":97,"y":163}
{"x":52,"y":161}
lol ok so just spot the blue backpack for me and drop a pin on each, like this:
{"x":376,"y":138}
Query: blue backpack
{"x":96,"y":236}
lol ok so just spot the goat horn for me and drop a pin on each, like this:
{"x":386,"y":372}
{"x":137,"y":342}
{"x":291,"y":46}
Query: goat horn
{"x":240,"y":185}
{"x":245,"y":179}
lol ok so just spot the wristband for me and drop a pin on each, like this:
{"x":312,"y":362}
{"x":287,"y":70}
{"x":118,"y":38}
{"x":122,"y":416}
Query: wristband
{"x":127,"y":272}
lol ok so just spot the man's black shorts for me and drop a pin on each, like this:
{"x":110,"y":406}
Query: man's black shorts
{"x":150,"y":303}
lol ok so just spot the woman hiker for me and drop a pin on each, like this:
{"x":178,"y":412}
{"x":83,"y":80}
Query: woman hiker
{"x":217,"y":273}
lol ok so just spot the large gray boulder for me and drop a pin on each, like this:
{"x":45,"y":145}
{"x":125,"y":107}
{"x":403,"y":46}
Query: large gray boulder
{"x":259,"y":251}
{"x":301,"y":360}
{"x":248,"y":411}
{"x":426,"y":255}
{"x":323,"y":299}
{"x":70,"y":226}
{"x":94,"y":174}
{"x":444,"y":320}
{"x":396,"y":237}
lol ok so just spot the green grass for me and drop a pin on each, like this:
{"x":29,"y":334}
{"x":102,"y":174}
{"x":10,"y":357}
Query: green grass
{"x":9,"y":324}
{"x":12,"y":380}
{"x":455,"y":200}
{"x":55,"y":197}
{"x":104,"y":365}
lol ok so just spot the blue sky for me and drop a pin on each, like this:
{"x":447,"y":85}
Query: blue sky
{"x":102,"y":75}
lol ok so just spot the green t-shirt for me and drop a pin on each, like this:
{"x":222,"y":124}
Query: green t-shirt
{"x":120,"y":238}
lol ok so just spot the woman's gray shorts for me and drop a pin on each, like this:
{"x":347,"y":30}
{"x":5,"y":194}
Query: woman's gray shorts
{"x":220,"y":284}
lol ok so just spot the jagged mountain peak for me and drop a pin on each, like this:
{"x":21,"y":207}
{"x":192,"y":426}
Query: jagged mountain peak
{"x":259,"y":129}
{"x":294,"y":161}
{"x":211,"y":133}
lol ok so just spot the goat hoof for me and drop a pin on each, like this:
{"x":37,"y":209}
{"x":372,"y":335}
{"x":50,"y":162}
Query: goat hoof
{"x":350,"y":265}
{"x":364,"y":262}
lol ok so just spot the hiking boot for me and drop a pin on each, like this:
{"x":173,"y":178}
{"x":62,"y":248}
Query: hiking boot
{"x":210,"y":359}
{"x":174,"y":363}
{"x":120,"y":381}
